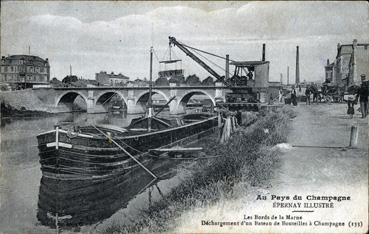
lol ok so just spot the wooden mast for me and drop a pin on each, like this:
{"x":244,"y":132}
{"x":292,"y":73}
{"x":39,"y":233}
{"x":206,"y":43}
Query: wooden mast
{"x":150,"y":93}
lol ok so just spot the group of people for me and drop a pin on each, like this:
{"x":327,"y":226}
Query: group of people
{"x":311,"y":90}
{"x":358,"y":95}
{"x":293,"y":96}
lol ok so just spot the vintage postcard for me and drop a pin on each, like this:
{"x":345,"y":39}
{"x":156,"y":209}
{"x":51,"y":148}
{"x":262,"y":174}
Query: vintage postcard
{"x":184,"y":117}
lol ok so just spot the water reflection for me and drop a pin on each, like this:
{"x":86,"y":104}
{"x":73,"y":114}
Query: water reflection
{"x":25,"y":201}
{"x":70,"y":204}
{"x":20,"y":167}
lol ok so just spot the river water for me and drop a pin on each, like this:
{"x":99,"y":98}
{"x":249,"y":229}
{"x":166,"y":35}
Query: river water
{"x":27,"y":199}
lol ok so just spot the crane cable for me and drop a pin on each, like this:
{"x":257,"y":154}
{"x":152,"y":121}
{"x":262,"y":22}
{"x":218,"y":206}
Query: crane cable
{"x":203,"y":51}
{"x":220,"y":67}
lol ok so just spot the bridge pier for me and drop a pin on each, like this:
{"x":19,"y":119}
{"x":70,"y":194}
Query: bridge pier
{"x":176,"y":108}
{"x":90,"y":102}
{"x":133,"y":108}
{"x":219,"y":92}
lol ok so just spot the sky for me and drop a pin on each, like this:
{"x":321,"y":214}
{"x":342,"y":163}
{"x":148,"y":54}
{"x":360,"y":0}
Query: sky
{"x":116,"y":36}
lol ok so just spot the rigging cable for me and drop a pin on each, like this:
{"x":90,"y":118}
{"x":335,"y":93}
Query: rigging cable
{"x":220,"y":67}
{"x":203,"y":51}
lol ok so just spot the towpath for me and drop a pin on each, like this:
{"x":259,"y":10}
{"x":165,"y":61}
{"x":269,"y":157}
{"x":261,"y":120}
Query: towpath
{"x":311,"y":170}
{"x":319,"y":169}
{"x":310,"y":167}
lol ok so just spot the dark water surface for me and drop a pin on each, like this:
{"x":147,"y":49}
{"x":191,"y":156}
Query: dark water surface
{"x":29,"y":203}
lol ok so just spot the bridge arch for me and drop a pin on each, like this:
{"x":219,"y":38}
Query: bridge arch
{"x":143,"y":97}
{"x":188,"y":95}
{"x":182,"y":102}
{"x":104,"y":97}
{"x":68,"y":97}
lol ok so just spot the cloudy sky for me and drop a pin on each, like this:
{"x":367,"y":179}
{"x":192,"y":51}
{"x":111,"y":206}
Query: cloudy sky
{"x":116,"y":36}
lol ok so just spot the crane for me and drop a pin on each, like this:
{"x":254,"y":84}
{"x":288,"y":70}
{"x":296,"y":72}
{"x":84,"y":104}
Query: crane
{"x":244,"y":94}
{"x":183,"y":47}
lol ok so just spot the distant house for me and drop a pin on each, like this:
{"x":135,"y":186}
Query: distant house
{"x":329,"y":72}
{"x":24,"y":71}
{"x":138,"y":83}
{"x":103,"y":78}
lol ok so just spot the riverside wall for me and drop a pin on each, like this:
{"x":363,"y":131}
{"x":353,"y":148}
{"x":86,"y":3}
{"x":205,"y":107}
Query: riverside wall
{"x":24,"y":102}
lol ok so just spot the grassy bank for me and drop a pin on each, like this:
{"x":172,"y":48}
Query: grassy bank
{"x":247,"y":156}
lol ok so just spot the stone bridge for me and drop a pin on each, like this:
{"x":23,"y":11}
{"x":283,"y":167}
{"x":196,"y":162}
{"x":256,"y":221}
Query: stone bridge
{"x":61,"y":99}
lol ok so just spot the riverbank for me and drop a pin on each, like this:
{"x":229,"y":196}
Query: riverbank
{"x":244,"y":161}
{"x":22,"y":103}
{"x":314,"y":162}
{"x":8,"y":111}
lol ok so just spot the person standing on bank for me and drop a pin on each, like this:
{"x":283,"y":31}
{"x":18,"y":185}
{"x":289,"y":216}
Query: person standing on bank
{"x":307,"y":94}
{"x":351,"y":102}
{"x":294,"y":97}
{"x":280,"y":95}
{"x":362,"y":94}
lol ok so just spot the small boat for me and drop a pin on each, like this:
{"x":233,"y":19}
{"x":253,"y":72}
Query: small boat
{"x":101,"y":151}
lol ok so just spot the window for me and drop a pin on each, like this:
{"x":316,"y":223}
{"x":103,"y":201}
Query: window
{"x":42,"y":69}
{"x":11,"y":68}
{"x":6,"y":68}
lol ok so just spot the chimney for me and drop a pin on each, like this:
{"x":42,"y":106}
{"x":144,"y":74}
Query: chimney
{"x":297,"y":81}
{"x":327,"y":62}
{"x":281,"y":78}
{"x":263,"y":56}
{"x":288,"y":75}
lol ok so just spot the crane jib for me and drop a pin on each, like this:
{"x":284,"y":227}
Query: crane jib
{"x":173,"y":41}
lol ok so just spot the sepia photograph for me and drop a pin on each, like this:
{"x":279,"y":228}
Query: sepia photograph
{"x":184,"y":117}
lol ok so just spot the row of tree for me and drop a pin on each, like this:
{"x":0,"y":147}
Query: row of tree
{"x":191,"y":80}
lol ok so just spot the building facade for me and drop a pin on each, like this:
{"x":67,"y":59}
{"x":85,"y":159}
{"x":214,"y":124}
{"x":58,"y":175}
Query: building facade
{"x":103,"y":78}
{"x":329,"y":72}
{"x":24,"y":71}
{"x":359,"y":63}
{"x":352,"y":60}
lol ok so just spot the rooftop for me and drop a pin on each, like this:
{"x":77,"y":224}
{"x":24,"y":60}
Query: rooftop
{"x":347,"y":48}
{"x":112,"y":75}
{"x":28,"y":59}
